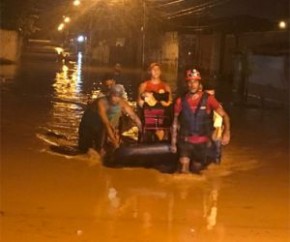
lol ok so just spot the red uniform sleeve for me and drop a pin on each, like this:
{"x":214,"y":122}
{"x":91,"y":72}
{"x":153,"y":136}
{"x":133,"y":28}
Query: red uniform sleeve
{"x":177,"y":106}
{"x":212,"y":103}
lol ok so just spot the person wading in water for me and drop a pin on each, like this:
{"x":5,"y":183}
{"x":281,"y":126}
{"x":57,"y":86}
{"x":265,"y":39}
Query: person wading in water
{"x":192,"y":124}
{"x":99,"y":127}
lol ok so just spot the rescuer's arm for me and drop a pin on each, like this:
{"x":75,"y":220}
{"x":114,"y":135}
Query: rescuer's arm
{"x":129,"y":111}
{"x":226,"y":122}
{"x":174,"y":133}
{"x":103,"y":115}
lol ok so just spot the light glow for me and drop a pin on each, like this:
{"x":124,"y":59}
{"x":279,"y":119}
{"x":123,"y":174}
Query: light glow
{"x":76,"y":2}
{"x":81,"y":39}
{"x":67,"y":19}
{"x":282,"y":25}
{"x":79,"y":68}
{"x":60,"y":27}
{"x":58,"y":50}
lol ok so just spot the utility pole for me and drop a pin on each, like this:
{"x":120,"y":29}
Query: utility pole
{"x":143,"y":29}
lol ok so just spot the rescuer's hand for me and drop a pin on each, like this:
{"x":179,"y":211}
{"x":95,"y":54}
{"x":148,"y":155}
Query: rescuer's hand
{"x":173,"y":148}
{"x":115,"y":142}
{"x":115,"y":145}
{"x":226,"y":138}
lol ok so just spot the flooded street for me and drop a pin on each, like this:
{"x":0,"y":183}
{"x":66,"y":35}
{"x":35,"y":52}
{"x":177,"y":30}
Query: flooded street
{"x":51,"y":198}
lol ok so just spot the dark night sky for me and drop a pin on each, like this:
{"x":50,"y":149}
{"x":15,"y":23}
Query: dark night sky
{"x":270,"y":9}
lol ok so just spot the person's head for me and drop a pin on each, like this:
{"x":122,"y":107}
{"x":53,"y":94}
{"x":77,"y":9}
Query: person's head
{"x":108,"y":82}
{"x":193,"y":80}
{"x":117,"y":68}
{"x":209,"y":87}
{"x":155,"y":70}
{"x":93,"y":105}
{"x":116,"y":93}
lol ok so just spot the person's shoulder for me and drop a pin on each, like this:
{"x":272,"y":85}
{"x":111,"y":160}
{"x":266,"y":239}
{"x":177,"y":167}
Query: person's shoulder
{"x":143,"y":84}
{"x":166,"y":85}
{"x":210,"y":97}
{"x":212,"y":101}
{"x":125,"y":106}
{"x":178,"y":100}
{"x":101,"y":100}
{"x":184,"y":96}
{"x":124,"y":102}
{"x":178,"y":105}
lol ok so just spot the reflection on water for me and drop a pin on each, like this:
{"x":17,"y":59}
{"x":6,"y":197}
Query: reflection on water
{"x":158,"y":208}
{"x":67,"y":99}
{"x":71,"y":89}
{"x":210,"y":209}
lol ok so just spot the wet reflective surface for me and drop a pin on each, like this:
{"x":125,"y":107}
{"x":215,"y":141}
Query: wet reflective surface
{"x":47,"y":197}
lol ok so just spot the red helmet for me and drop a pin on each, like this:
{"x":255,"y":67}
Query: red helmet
{"x":192,"y":74}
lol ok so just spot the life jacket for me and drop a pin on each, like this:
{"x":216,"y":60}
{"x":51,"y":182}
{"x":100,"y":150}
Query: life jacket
{"x":198,"y":123}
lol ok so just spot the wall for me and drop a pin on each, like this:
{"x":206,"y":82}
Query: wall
{"x":164,"y":49}
{"x":267,"y":80}
{"x":252,"y":42}
{"x":201,"y":51}
{"x":258,"y":64}
{"x":169,"y":57}
{"x":10,"y":42}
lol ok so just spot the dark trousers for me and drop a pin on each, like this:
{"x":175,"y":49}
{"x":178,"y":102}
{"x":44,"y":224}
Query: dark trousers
{"x":201,"y":155}
{"x":195,"y":152}
{"x":214,"y":153}
{"x":90,"y":138}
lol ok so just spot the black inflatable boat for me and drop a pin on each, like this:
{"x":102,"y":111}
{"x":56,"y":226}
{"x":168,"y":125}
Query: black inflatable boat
{"x":156,"y":156}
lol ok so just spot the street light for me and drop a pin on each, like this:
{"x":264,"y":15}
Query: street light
{"x":66,"y":19}
{"x":81,"y":39}
{"x":60,"y":27}
{"x":143,"y":29}
{"x":282,"y":24}
{"x":76,"y":2}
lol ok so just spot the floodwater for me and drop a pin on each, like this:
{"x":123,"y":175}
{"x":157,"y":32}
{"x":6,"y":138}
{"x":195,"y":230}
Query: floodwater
{"x":51,"y":198}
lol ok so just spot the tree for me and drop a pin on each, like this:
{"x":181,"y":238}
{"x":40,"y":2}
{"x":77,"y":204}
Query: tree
{"x":20,"y":15}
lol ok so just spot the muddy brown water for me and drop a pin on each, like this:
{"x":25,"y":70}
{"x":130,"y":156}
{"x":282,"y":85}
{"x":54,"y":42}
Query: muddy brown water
{"x":46,"y":197}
